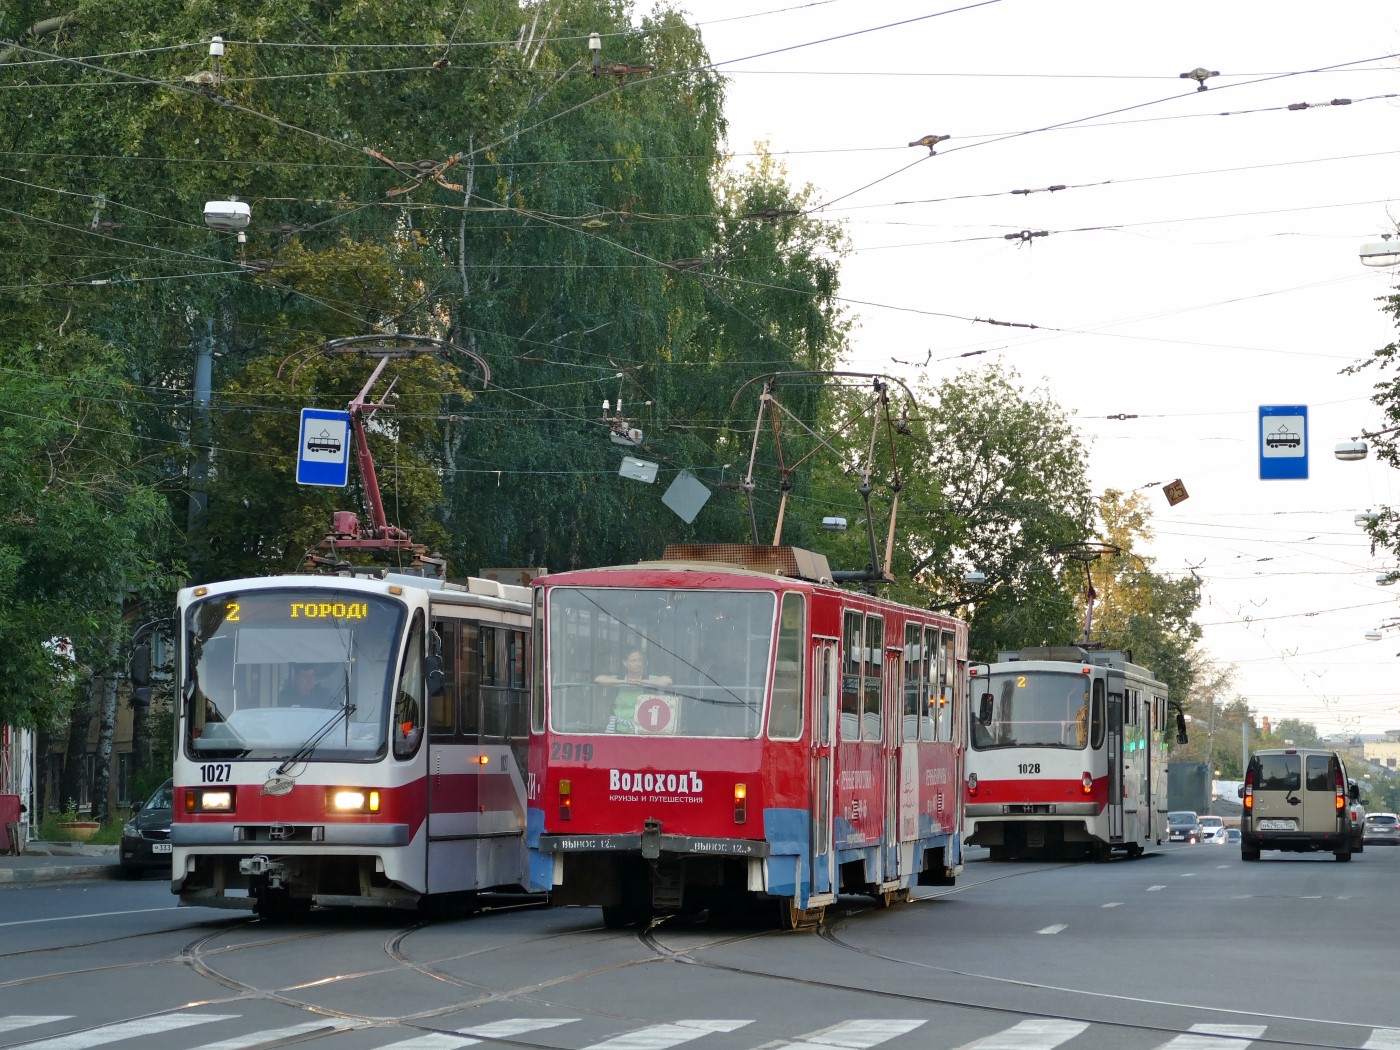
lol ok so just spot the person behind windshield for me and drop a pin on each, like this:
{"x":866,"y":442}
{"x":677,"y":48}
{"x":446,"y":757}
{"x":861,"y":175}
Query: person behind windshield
{"x":632,"y":683}
{"x":305,"y":689}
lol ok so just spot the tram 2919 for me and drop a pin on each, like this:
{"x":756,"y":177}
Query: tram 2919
{"x":726,"y":726}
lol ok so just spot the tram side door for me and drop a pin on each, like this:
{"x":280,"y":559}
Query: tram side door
{"x":896,"y":802}
{"x":1113,"y":747}
{"x":826,"y":675}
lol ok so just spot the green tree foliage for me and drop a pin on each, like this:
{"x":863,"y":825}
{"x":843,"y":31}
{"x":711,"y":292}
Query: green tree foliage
{"x":996,"y":481}
{"x":80,"y":533}
{"x":1139,"y":609}
{"x":1384,"y":366}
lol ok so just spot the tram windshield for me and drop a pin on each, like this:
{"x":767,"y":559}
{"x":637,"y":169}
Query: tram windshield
{"x":1031,"y":710}
{"x":290,"y":672}
{"x":659,"y":661}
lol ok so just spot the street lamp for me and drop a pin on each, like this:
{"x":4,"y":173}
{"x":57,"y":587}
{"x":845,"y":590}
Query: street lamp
{"x":1350,"y":451}
{"x":1384,"y":252}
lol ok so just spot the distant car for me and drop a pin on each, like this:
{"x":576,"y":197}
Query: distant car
{"x":1212,"y":829}
{"x":146,"y":836}
{"x":1183,"y":826}
{"x":1230,"y":837}
{"x":1382,"y":828}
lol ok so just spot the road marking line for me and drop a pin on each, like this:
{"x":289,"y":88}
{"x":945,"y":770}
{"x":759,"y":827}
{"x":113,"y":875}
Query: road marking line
{"x":661,"y":1036}
{"x":16,"y":1021}
{"x":111,"y":1033}
{"x":1038,"y":1034}
{"x":858,"y":1035}
{"x":1054,"y":929}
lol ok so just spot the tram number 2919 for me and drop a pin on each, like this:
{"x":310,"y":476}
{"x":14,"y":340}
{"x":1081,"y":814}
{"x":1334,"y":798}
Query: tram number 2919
{"x":1027,"y":767}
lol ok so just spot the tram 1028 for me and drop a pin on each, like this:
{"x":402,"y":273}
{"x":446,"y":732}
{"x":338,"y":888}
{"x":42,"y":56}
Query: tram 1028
{"x":349,"y":741}
{"x":1067,"y":754}
{"x":726,"y":726}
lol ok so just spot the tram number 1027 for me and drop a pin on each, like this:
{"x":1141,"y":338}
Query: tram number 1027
{"x":215,"y":773}
{"x":1025,"y":768}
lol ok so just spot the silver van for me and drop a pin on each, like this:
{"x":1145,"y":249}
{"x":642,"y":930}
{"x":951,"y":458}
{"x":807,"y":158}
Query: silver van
{"x":1296,"y":799}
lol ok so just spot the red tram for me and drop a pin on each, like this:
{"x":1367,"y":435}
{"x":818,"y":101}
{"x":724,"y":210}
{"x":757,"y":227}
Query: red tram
{"x":726,"y":725}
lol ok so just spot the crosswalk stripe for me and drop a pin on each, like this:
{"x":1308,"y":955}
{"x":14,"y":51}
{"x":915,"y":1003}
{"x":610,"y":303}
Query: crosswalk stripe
{"x":513,"y":1026}
{"x":858,"y":1035}
{"x":17,"y":1021}
{"x":1383,"y":1039}
{"x":1033,"y":1034}
{"x":273,"y":1035}
{"x":111,"y":1033}
{"x":432,"y":1041}
{"x":1215,"y":1037}
{"x":661,"y":1036}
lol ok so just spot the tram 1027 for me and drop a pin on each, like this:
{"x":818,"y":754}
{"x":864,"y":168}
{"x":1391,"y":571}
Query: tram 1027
{"x":1067,"y":754}
{"x":726,"y":726}
{"x":349,"y":741}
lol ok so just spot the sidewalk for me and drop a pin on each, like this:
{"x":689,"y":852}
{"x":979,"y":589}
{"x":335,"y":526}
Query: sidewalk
{"x":56,"y":861}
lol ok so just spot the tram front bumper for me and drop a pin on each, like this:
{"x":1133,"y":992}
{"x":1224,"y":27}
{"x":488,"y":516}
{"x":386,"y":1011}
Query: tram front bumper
{"x":652,"y":844}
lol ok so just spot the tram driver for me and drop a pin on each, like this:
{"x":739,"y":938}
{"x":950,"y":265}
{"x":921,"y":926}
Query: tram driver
{"x":631,"y":684}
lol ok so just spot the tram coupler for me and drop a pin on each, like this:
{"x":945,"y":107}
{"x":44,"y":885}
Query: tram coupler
{"x":264,"y":865}
{"x":651,"y":839}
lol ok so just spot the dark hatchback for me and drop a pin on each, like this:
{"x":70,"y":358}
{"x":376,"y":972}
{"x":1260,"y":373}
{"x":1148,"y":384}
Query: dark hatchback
{"x":146,"y":836}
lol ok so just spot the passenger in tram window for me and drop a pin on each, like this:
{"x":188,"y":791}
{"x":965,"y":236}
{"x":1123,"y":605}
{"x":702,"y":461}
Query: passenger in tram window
{"x":632,"y":683}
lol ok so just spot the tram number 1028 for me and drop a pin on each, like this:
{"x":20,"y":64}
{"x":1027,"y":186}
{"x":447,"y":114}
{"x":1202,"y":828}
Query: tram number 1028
{"x":1025,"y":768}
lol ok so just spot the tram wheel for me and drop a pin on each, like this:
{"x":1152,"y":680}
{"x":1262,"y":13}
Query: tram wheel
{"x":1101,"y":852}
{"x":1135,"y":850}
{"x":996,"y":853}
{"x":791,"y":917}
{"x":620,"y":916}
{"x":889,"y":898}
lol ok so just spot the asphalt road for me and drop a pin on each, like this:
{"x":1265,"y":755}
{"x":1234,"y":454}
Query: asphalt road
{"x":1187,"y":947}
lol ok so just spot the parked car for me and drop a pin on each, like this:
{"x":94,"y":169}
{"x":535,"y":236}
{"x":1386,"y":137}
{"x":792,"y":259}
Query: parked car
{"x":1383,"y":828}
{"x":146,"y":836}
{"x":1212,"y":828}
{"x":1183,"y":826}
{"x":1356,"y":810}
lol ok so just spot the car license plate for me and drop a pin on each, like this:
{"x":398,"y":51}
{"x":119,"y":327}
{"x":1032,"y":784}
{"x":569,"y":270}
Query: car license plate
{"x":160,"y":847}
{"x":1278,"y":825}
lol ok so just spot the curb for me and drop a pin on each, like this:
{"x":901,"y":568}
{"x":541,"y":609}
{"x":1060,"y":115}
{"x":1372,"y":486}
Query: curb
{"x":56,"y":872}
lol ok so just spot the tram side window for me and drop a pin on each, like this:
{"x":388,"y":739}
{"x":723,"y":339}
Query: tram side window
{"x":851,"y":642}
{"x":874,"y":677}
{"x":785,"y":719}
{"x":1096,"y":716}
{"x":469,"y":679}
{"x":947,"y":671}
{"x":537,"y":696}
{"x":915,"y":684}
{"x":502,"y":680}
{"x":442,"y":708}
{"x":407,"y":728}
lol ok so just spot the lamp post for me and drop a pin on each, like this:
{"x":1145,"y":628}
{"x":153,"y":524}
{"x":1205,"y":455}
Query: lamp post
{"x":226,"y":216}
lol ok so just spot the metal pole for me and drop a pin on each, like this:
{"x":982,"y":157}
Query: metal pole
{"x":199,"y":430}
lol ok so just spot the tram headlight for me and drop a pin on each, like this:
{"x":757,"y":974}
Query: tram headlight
{"x":208,"y":800}
{"x":741,"y":803}
{"x":352,"y":800}
{"x":1086,"y":783}
{"x":971,"y":784}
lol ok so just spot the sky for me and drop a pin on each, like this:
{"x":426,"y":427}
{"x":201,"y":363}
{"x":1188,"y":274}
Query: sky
{"x":1200,"y":261}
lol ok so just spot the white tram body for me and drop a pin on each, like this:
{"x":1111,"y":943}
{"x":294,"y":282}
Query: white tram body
{"x":1066,"y":755}
{"x":349,"y":741}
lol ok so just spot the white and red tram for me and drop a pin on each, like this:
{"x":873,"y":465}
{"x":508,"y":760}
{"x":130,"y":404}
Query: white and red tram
{"x":1067,"y":754}
{"x":788,"y":739}
{"x":396,"y":771}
